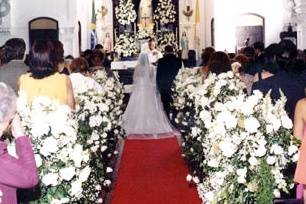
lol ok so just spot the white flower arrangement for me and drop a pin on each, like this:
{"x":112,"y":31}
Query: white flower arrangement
{"x":167,"y":38}
{"x":165,"y":12}
{"x":126,"y":45}
{"x":237,"y":145}
{"x":62,"y":161}
{"x":144,"y":33}
{"x":99,"y":116}
{"x":125,"y":12}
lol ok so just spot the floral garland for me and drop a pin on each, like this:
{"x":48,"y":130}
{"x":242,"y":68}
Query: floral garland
{"x":167,"y":38}
{"x":125,"y":12}
{"x":237,"y":145}
{"x":97,"y":118}
{"x":165,"y":12}
{"x":99,"y":115}
{"x":126,"y":45}
{"x":62,"y":160}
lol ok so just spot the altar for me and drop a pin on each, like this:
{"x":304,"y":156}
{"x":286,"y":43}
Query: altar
{"x":123,"y":65}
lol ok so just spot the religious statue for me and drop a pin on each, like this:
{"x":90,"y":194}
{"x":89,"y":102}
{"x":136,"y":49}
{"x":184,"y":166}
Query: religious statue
{"x":107,"y":43}
{"x":184,"y":45}
{"x":145,"y":15}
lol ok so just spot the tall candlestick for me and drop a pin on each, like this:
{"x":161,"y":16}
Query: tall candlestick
{"x":115,"y":35}
{"x":134,"y":29}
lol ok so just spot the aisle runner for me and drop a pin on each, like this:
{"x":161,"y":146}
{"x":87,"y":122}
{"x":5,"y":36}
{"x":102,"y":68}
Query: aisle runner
{"x":153,"y":172}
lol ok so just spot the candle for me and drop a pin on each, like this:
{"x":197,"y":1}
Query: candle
{"x":115,"y":35}
{"x":134,"y":29}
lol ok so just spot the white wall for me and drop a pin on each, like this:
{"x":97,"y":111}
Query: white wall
{"x":226,"y":12}
{"x":65,"y":11}
{"x":209,"y":12}
{"x":84,"y":10}
{"x":196,"y":35}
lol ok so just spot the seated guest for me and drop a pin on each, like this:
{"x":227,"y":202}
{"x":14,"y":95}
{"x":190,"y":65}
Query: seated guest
{"x":258,"y":48}
{"x":207,"y":52}
{"x":87,"y":55}
{"x":79,"y":75}
{"x":238,"y":69}
{"x":99,"y":47}
{"x":97,"y":60}
{"x":43,"y":78}
{"x":59,"y":57}
{"x":299,"y":131}
{"x":219,"y":62}
{"x":68,"y":59}
{"x":14,"y":65}
{"x":270,"y":64}
{"x":288,"y":81}
{"x":192,"y":59}
{"x":15,"y":172}
{"x":254,"y":64}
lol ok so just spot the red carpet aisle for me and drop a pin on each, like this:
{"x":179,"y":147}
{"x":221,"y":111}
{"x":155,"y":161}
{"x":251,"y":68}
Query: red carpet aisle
{"x":153,"y":172}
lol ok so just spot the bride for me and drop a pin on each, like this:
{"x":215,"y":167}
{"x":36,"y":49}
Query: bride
{"x":144,"y":113}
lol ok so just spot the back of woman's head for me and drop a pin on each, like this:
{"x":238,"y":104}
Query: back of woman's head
{"x":192,"y":55}
{"x":58,"y":51}
{"x":7,"y":102}
{"x":207,"y":52}
{"x":97,"y":58}
{"x":219,"y":62}
{"x":80,"y":65}
{"x":42,"y":59}
{"x":242,"y":59}
{"x":14,"y":49}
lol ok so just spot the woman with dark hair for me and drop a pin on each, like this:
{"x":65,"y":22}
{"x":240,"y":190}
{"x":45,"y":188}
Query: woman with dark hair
{"x":97,"y":61}
{"x":59,"y":57}
{"x":270,"y":63}
{"x":43,"y":78}
{"x":207,"y":52}
{"x":219,"y":62}
{"x":192,"y":59}
{"x":238,"y":68}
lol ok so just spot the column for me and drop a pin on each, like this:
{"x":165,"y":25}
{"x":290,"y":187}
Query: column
{"x":301,"y":23}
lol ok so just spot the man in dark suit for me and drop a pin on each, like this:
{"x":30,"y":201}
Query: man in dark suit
{"x":289,"y":81}
{"x":167,"y":69}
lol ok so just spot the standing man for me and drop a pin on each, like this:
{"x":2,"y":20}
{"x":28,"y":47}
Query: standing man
{"x":154,"y":54}
{"x":167,"y":69}
{"x":14,"y":65}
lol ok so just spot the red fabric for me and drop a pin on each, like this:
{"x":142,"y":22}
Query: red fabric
{"x":153,"y":172}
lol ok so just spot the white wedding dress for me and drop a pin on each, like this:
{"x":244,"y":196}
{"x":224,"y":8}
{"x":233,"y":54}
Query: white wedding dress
{"x":144,"y":113}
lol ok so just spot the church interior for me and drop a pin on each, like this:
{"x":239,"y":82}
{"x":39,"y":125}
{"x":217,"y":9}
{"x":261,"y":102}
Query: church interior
{"x":152,"y":101}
